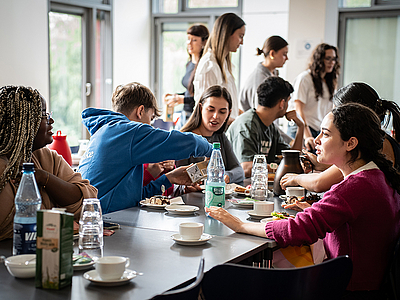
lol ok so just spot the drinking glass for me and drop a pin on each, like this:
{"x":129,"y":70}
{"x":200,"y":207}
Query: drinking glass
{"x":259,"y":186}
{"x":91,"y":229}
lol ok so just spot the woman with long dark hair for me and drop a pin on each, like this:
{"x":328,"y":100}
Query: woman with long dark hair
{"x":197,"y":36}
{"x":362,"y":93}
{"x":210,"y":119}
{"x":364,"y":205}
{"x":314,"y":89}
{"x":215,"y":66}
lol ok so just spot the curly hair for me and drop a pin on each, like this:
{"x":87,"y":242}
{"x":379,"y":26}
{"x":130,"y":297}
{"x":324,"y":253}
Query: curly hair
{"x":20,"y":117}
{"x":317,"y":67}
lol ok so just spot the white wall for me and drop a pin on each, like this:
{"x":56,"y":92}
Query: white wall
{"x":263,"y":19}
{"x":132,"y":41}
{"x":24,"y":58}
{"x":310,"y":22}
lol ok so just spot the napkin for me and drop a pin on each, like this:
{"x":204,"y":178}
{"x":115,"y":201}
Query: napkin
{"x":177,"y":200}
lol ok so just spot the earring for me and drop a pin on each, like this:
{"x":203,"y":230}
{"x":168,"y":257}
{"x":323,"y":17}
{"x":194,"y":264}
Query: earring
{"x":271,"y":57}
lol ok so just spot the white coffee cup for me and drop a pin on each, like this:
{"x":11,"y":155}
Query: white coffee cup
{"x":264,"y":208}
{"x":191,"y":230}
{"x":111,"y":267}
{"x":297,"y":191}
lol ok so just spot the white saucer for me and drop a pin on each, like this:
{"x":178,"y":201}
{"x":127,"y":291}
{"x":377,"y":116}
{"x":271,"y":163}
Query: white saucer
{"x":79,"y":267}
{"x":178,"y":239}
{"x":181,"y":209}
{"x":93,"y":277}
{"x":254,"y":215}
{"x":283,"y":197}
{"x":266,"y":220}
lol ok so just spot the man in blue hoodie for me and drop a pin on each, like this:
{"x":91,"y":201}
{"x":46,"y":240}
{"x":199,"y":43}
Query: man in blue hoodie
{"x":123,"y":140}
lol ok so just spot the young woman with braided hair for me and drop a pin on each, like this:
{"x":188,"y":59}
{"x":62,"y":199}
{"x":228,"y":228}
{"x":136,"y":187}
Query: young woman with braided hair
{"x":364,"y":205}
{"x":25,"y":131}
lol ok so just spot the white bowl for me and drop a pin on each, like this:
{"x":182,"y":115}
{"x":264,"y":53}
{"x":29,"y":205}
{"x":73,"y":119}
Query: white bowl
{"x":17,"y":268}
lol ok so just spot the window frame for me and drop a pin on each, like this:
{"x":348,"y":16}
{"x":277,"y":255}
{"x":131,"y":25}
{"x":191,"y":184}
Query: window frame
{"x":88,"y":9}
{"x":184,"y":14}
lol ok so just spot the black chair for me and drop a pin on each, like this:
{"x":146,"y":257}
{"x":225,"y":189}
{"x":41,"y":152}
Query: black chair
{"x":190,"y":292}
{"x":327,"y":280}
{"x":394,"y":273}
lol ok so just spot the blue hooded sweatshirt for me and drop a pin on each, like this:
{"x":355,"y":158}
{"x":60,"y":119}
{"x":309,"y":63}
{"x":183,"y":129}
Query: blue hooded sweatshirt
{"x":118,"y":148}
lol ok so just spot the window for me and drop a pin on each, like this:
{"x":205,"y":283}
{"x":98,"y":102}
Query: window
{"x":80,"y":63}
{"x":370,"y":49}
{"x":171,"y":19}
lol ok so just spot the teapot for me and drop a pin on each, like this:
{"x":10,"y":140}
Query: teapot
{"x":60,"y":144}
{"x":290,"y":163}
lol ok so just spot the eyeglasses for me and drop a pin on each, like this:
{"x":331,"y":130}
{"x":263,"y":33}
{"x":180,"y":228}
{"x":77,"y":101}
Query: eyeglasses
{"x":47,"y":116}
{"x":330,"y":59}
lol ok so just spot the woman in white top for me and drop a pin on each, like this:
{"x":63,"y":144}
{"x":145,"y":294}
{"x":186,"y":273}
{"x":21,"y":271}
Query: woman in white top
{"x":215,"y":67}
{"x":313,"y":91}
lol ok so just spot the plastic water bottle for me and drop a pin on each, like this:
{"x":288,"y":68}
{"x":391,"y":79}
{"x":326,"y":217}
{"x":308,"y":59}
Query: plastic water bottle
{"x":215,"y":184}
{"x":27,"y":203}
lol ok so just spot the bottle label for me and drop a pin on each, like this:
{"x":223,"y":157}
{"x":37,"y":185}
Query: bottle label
{"x":215,"y":196}
{"x":24,"y":238}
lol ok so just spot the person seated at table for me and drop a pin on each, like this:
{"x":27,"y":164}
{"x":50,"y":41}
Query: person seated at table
{"x":153,"y":171}
{"x":364,"y":94}
{"x":254,"y":132}
{"x":210,"y":119}
{"x":123,"y":140}
{"x":358,"y":217}
{"x":26,"y":128}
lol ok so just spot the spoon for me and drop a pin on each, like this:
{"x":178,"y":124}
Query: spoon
{"x":162,"y":189}
{"x":28,"y":261}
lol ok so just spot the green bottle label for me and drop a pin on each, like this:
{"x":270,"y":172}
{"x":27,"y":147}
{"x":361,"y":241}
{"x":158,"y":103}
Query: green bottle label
{"x":215,"y":196}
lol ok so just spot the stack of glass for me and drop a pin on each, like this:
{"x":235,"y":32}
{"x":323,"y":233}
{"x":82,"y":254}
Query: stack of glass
{"x":91,"y":229}
{"x":259,"y":178}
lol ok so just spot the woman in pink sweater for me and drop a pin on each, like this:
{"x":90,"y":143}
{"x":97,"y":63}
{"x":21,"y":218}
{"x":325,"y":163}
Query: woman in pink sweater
{"x":358,"y":217}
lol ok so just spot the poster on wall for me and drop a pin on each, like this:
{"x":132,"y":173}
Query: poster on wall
{"x":305,"y":47}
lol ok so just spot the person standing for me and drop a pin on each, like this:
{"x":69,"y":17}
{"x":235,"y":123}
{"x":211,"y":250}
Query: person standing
{"x":275,"y":51}
{"x":215,"y":66}
{"x":313,"y":91}
{"x":197,"y":36}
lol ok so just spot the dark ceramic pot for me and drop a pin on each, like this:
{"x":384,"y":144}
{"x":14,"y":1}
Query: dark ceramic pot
{"x":290,"y":163}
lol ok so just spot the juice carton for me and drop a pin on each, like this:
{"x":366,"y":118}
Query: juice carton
{"x":54,"y":248}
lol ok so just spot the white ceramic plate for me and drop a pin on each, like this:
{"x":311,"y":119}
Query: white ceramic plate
{"x":181,"y":209}
{"x":79,"y":267}
{"x":93,"y":277}
{"x":253,"y":214}
{"x":156,"y":206}
{"x":266,"y":220}
{"x":178,"y":239}
{"x":242,"y":203}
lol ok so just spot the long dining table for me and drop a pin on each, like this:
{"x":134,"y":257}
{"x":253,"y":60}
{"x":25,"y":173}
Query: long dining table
{"x":145,"y":237}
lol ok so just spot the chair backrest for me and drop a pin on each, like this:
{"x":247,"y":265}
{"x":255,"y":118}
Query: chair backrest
{"x":189,"y":292}
{"x":394,"y":273}
{"x":327,"y":280}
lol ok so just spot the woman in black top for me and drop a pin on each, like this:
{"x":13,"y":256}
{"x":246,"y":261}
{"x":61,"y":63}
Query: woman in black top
{"x":197,"y":38}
